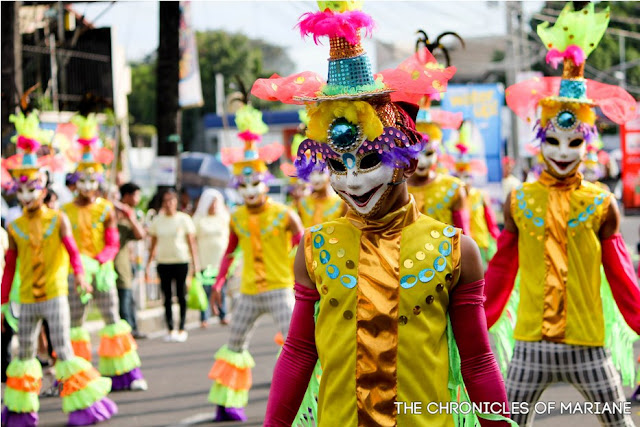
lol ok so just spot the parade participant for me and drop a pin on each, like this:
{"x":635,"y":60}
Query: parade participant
{"x":37,"y":238}
{"x":322,"y":204}
{"x":382,"y":279}
{"x":95,"y":230}
{"x":483,"y":227}
{"x":266,"y":231}
{"x":593,"y":164}
{"x":560,"y":229}
{"x":211,"y":220}
{"x":509,"y":180}
{"x":437,"y":195}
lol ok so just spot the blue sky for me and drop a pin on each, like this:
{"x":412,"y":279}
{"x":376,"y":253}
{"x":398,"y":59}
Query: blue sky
{"x":136,"y":22}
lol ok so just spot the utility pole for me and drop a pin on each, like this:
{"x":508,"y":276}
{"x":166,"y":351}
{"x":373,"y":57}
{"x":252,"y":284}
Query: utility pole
{"x":11,"y":63}
{"x":513,"y":10}
{"x":168,"y":74}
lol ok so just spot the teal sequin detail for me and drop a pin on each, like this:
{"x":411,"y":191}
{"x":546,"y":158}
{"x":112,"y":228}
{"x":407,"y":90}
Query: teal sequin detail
{"x":576,"y":89}
{"x":348,"y":281}
{"x":19,"y":232}
{"x":316,"y":228}
{"x":528,"y":213}
{"x":318,"y":241}
{"x":324,"y":256}
{"x":589,"y":210}
{"x":439,"y":264}
{"x":426,"y":275}
{"x":445,"y":248}
{"x":408,"y":281}
{"x":332,"y":271}
{"x":449,"y":231}
{"x":350,"y":72}
{"x":52,"y":227}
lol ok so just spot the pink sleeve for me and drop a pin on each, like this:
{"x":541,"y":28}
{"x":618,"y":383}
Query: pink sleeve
{"x":295,"y":240}
{"x":480,"y":371}
{"x":74,"y":256}
{"x":227,"y":259}
{"x":9,"y":271}
{"x":461,"y":220}
{"x":490,"y":217}
{"x":501,"y":276}
{"x":111,"y":245}
{"x":296,"y":362}
{"x":622,"y":278}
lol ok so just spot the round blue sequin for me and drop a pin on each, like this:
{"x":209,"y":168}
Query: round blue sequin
{"x":445,"y":248}
{"x":426,"y":275}
{"x":408,"y":281}
{"x":522,"y":204}
{"x":450,"y":193}
{"x":332,"y":271}
{"x":449,"y":231}
{"x":591,"y":209}
{"x":446,"y":199}
{"x":599,"y":199}
{"x":538,"y":221}
{"x":566,"y":119}
{"x":349,"y":160}
{"x":454,"y":185}
{"x":318,"y":241}
{"x":348,"y":281}
{"x":528,"y":213}
{"x":573,"y":223}
{"x":431,"y":211}
{"x":439,"y":264}
{"x":520,"y":195}
{"x":439,"y":206}
{"x":316,"y":228}
{"x":583,"y":217}
{"x":324,"y":256}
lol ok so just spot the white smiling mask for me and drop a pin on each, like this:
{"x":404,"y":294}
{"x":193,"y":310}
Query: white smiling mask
{"x":563,"y":151}
{"x":252,"y":191}
{"x":363,"y":181}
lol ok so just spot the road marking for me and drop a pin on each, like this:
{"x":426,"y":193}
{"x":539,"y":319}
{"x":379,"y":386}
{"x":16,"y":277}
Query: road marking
{"x":195,"y":419}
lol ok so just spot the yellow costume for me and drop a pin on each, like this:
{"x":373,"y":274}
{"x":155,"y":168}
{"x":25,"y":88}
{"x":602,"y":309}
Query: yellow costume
{"x":557,"y":219}
{"x":395,"y":307}
{"x":314,"y":210}
{"x":88,"y":224}
{"x":437,"y":198}
{"x":45,"y":268}
{"x":265,"y":243}
{"x":477,"y":220}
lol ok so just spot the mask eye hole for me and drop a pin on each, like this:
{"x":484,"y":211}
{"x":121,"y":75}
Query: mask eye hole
{"x":429,"y":153}
{"x":575,"y":143}
{"x":369,"y":161}
{"x":552,"y":141}
{"x":337,"y":165}
{"x":243,"y":185}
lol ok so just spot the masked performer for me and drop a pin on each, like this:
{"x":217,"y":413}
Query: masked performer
{"x":560,"y":229}
{"x":37,"y":238}
{"x":266,"y":231}
{"x":374,"y":289}
{"x":95,"y":229}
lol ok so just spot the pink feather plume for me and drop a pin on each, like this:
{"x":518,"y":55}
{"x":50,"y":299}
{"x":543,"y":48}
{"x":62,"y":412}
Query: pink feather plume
{"x":336,"y":24}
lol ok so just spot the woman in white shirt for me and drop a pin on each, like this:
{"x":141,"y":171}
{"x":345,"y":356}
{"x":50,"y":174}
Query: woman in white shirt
{"x":211,"y":219}
{"x":173,"y":243}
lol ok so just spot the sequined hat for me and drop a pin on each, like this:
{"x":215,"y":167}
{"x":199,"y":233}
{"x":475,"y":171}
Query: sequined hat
{"x":25,"y":167}
{"x":93,"y":158}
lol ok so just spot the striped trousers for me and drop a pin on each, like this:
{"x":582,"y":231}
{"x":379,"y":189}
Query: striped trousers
{"x":536,"y":365}
{"x":56,"y":312}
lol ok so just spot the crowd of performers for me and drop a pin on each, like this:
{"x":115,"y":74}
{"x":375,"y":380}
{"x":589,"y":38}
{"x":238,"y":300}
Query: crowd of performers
{"x":386,"y":272}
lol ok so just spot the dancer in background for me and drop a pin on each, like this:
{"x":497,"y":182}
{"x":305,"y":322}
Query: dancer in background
{"x":42,"y":239}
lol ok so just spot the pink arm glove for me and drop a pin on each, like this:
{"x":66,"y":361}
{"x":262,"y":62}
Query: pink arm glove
{"x":480,"y":371}
{"x":461,"y":220}
{"x":490,"y":217}
{"x":296,"y":363}
{"x":74,"y":256}
{"x":9,"y":271}
{"x":227,"y":259}
{"x":295,"y":240}
{"x":622,"y":278}
{"x":111,"y":245}
{"x":501,"y":276}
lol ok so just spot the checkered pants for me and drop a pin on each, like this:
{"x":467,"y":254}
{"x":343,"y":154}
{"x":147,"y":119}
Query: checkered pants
{"x":279,"y":303}
{"x":536,"y":365}
{"x":107,"y":304}
{"x":56,"y":312}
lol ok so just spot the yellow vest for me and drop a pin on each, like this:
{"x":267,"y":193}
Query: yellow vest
{"x":380,"y":325}
{"x":265,"y":245}
{"x":437,"y":198}
{"x":477,"y":221}
{"x":560,"y":258}
{"x":44,"y":262}
{"x":87,"y":223}
{"x":315,"y":211}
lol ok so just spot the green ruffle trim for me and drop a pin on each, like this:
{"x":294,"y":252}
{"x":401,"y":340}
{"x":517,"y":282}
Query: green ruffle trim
{"x":119,"y":328}
{"x":619,"y":337}
{"x":21,"y":401}
{"x":335,"y":90}
{"x":80,"y":334}
{"x":307,"y":415}
{"x":105,"y":274}
{"x":502,"y":330}
{"x":239,"y":360}
{"x":19,"y":368}
{"x":9,"y":317}
{"x":585,"y":28}
{"x":82,"y":399}
{"x":66,"y":368}
{"x":112,"y":366}
{"x":224,"y":396}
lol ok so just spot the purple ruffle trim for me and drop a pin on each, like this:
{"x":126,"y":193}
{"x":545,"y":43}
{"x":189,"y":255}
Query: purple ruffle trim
{"x":18,"y":419}
{"x":102,"y":410}
{"x":123,"y":382}
{"x":230,"y":414}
